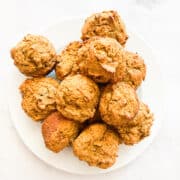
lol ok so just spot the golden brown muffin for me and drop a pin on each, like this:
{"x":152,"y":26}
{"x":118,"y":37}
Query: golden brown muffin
{"x":34,"y":56}
{"x":105,"y":24}
{"x":59,"y":132}
{"x":100,"y":57}
{"x":97,"y":145}
{"x":66,"y":61}
{"x":135,"y":71}
{"x":39,"y":97}
{"x":118,"y":104}
{"x":77,"y":98}
{"x":138,"y":128}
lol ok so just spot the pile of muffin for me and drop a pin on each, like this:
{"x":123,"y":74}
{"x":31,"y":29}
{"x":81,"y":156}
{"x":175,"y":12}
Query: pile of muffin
{"x":92,"y":103}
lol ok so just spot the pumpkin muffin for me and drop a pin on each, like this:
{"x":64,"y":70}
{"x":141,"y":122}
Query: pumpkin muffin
{"x":34,"y":56}
{"x":118,"y":104}
{"x":99,"y":59}
{"x":97,"y":145}
{"x":105,"y":24}
{"x":138,"y":128}
{"x":77,"y":98}
{"x":59,"y":132}
{"x":39,"y":97}
{"x":135,"y":70}
{"x":67,"y":60}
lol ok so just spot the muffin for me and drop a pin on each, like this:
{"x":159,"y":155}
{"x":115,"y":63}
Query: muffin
{"x":39,"y":97}
{"x":105,"y":24}
{"x":118,"y":104}
{"x":99,"y":59}
{"x":58,"y":132}
{"x":77,"y":98}
{"x":97,"y":145}
{"x":34,"y":56}
{"x":135,"y":70}
{"x":138,"y":128}
{"x":67,"y":60}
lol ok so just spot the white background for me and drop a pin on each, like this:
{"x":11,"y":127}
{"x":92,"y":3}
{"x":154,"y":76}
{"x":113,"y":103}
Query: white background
{"x":157,"y":21}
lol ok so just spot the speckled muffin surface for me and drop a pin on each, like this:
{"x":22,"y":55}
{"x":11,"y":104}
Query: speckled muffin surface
{"x":135,"y":70}
{"x":67,"y":60}
{"x":77,"y":97}
{"x":139,"y":128}
{"x":34,"y":56}
{"x":100,"y":58}
{"x":118,"y":104}
{"x":97,"y":145}
{"x":39,"y":97}
{"x":59,"y":132}
{"x":105,"y":24}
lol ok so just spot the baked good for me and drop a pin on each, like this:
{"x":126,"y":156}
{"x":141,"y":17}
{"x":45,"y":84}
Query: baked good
{"x":59,"y":132}
{"x":118,"y":104}
{"x":135,"y":70}
{"x":77,"y":98}
{"x":34,"y":56}
{"x":105,"y":24}
{"x":39,"y":97}
{"x":97,"y":145}
{"x":67,"y":60}
{"x":99,"y":59}
{"x":138,"y":128}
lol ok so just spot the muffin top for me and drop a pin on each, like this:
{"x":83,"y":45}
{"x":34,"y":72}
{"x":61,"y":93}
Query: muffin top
{"x":100,"y":58}
{"x":134,"y":72}
{"x":138,"y":128}
{"x":118,"y":104}
{"x":67,"y":60}
{"x":77,"y":97}
{"x":39,"y":97}
{"x":105,"y":24}
{"x":97,"y":145}
{"x":34,"y":56}
{"x":58,"y":131}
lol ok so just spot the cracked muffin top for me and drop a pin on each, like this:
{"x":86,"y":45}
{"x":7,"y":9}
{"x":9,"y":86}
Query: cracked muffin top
{"x":118,"y":104}
{"x":97,"y":145}
{"x":77,"y":98}
{"x":59,"y":132}
{"x":105,"y":24}
{"x":67,"y":60}
{"x":138,"y":128}
{"x":39,"y":97}
{"x":135,"y":70}
{"x":99,"y":59}
{"x":34,"y":56}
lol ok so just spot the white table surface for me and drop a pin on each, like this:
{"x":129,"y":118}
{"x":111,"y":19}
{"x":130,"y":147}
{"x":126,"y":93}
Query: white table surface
{"x":157,"y":21}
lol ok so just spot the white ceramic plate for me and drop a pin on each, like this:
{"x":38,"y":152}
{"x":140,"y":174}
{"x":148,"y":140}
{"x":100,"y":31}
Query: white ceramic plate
{"x":30,"y":131}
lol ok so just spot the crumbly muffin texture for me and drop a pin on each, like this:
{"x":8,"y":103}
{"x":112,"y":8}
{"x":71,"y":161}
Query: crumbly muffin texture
{"x":134,"y":72}
{"x":34,"y":56}
{"x":138,"y":128}
{"x":77,"y":97}
{"x":105,"y":24}
{"x":97,"y":145}
{"x":39,"y":97}
{"x":67,"y":60}
{"x":59,"y":132}
{"x":99,"y":59}
{"x":118,"y":104}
